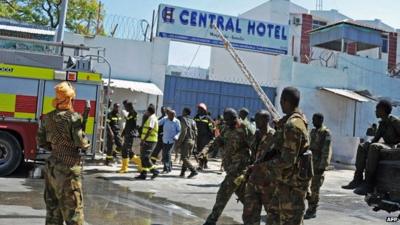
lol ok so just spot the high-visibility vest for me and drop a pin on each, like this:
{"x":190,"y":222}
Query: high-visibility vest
{"x":153,"y":136}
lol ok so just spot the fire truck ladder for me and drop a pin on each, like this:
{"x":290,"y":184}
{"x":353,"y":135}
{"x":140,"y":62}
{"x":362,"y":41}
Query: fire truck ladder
{"x":264,"y":98}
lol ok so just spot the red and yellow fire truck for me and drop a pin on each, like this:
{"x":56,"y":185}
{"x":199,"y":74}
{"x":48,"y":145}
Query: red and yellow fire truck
{"x":26,"y":93}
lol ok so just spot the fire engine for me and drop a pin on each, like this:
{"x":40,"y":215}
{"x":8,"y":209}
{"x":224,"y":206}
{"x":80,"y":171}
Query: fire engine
{"x":28,"y":75}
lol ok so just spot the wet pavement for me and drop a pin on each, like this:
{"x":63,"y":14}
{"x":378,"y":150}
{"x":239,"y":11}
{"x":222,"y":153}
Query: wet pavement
{"x":112,"y":198}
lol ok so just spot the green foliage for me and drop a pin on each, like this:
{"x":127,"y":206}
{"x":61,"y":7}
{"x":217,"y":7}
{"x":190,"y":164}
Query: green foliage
{"x":82,"y":16}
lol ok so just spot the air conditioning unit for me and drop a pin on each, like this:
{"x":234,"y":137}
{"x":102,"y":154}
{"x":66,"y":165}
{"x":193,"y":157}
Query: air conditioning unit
{"x":296,"y":21}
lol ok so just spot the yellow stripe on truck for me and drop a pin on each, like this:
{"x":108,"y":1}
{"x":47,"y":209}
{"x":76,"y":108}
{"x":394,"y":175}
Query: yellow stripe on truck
{"x":26,"y":72}
{"x":7,"y":102}
{"x":24,"y":115}
{"x":90,"y":126}
{"x":42,"y":73}
{"x":89,"y":76}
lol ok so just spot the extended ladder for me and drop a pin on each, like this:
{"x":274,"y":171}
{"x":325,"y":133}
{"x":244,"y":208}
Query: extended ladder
{"x":264,"y":98}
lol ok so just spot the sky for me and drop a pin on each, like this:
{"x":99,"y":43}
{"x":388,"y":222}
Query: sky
{"x":185,"y":54}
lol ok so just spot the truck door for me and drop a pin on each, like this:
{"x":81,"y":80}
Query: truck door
{"x":83,"y":92}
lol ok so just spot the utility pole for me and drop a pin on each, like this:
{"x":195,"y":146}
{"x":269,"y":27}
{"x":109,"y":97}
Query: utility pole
{"x":98,"y":18}
{"x":63,"y":16}
{"x":319,"y":5}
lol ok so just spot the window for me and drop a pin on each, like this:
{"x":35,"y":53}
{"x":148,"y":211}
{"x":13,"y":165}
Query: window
{"x":384,"y":44}
{"x":318,"y":23}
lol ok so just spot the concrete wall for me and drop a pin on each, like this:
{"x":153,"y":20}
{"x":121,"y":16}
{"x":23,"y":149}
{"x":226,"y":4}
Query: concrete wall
{"x":130,"y":60}
{"x":264,"y":67}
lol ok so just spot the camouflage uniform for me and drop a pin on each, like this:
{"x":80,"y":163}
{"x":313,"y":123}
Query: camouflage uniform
{"x":259,"y":191}
{"x":250,"y":127}
{"x":287,"y":204}
{"x":186,"y":141}
{"x":61,"y":132}
{"x":321,"y":147}
{"x":235,"y":143}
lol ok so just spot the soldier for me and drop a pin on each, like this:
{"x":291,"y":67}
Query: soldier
{"x":321,"y":147}
{"x":291,"y":170}
{"x":129,"y":133}
{"x":205,"y":129}
{"x":389,"y":131}
{"x":235,"y":141}
{"x":259,"y":190}
{"x":386,"y":130}
{"x":186,"y":142}
{"x":243,"y":114}
{"x":61,"y":133}
{"x":148,"y":140}
{"x":159,"y":146}
{"x":113,"y":135}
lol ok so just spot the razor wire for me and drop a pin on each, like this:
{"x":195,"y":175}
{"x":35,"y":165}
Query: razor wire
{"x":125,"y":27}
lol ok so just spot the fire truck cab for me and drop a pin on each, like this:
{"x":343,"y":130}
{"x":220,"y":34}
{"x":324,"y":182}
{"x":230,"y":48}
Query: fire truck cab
{"x":27,"y":80}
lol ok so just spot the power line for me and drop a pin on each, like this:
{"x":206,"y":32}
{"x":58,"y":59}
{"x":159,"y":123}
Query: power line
{"x":194,"y":57}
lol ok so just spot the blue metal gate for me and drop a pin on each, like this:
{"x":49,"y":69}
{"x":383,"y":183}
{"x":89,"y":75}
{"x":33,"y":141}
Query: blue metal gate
{"x":180,"y":92}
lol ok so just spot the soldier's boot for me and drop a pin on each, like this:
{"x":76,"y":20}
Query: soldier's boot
{"x":136,"y":160}
{"x":310,"y":213}
{"x":124,"y":166}
{"x":209,"y":223}
{"x":205,"y":166}
{"x":366,"y":187}
{"x":357,"y":181}
{"x":201,"y":165}
{"x":155,"y":173}
{"x":193,"y":173}
{"x":183,"y":171}
{"x":142,"y":176}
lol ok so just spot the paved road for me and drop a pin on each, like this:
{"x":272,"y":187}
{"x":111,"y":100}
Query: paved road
{"x":111,"y":198}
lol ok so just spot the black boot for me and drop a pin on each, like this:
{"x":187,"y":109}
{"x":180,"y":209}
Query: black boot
{"x":310,"y":213}
{"x":366,"y":187}
{"x":201,"y":164}
{"x":155,"y":173}
{"x":209,"y":223}
{"x":193,"y":173}
{"x":183,"y":171}
{"x":357,"y":181}
{"x":142,"y":176}
{"x":109,"y":161}
{"x":205,"y":166}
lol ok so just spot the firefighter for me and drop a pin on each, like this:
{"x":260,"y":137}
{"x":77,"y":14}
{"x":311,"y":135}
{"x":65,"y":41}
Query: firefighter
{"x":113,"y":135}
{"x":129,"y":133}
{"x":61,"y":133}
{"x":148,"y":140}
{"x":205,"y":129}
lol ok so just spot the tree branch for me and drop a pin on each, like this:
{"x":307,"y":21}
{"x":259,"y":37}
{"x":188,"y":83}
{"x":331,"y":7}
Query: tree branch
{"x":57,"y":6}
{"x":10,"y":4}
{"x":48,"y":12}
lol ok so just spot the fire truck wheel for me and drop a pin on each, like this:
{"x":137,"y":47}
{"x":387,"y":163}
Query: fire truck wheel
{"x":10,"y":153}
